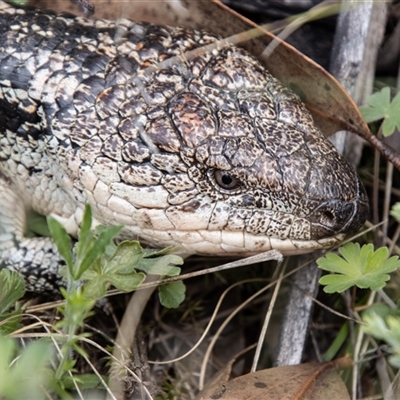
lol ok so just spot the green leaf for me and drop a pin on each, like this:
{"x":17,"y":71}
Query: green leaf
{"x":86,"y":221}
{"x":172,"y":294}
{"x":395,"y":212}
{"x":363,"y":267}
{"x":85,"y":240}
{"x":12,"y":288}
{"x":8,"y":347}
{"x":97,"y":249}
{"x":337,"y":343}
{"x":96,"y":287}
{"x":62,"y":240}
{"x":163,"y":265}
{"x":127,"y":283}
{"x":158,"y":252}
{"x":336,"y":283}
{"x":379,"y":103}
{"x":117,"y":270}
{"x":15,"y":380}
{"x":36,"y":225}
{"x":126,"y":257}
{"x":380,"y":107}
{"x":84,"y":381}
{"x":386,"y":328}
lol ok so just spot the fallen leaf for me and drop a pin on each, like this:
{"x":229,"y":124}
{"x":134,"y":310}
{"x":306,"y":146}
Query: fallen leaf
{"x":311,"y":381}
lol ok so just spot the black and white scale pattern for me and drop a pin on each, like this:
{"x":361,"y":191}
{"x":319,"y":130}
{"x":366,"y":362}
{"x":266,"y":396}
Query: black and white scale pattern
{"x":204,"y":151}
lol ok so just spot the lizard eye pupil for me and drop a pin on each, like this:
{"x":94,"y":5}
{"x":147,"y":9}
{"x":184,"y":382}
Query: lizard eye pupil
{"x":225,"y":180}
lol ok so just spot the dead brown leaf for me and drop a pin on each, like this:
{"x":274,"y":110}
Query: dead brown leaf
{"x":296,"y":382}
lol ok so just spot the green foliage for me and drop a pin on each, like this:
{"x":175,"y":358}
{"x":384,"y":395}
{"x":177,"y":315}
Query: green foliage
{"x":12,"y":288}
{"x":90,"y":248}
{"x":380,"y":107}
{"x":62,"y":240}
{"x":172,"y":294}
{"x":36,"y":225}
{"x":337,"y":343}
{"x":20,"y":2}
{"x":117,"y":270}
{"x":24,"y":374}
{"x":92,"y":267}
{"x":164,"y":266}
{"x":383,"y":323}
{"x":97,"y":263}
{"x":395,"y":212}
{"x":363,"y":267}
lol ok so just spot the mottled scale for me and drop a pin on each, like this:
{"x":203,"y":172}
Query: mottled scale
{"x":210,"y":154}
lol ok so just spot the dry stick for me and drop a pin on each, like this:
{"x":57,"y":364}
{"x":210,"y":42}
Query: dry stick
{"x":267,"y":318}
{"x":393,"y":391}
{"x":390,"y":154}
{"x":217,"y":334}
{"x":394,"y":239}
{"x":210,"y":321}
{"x":126,"y":336}
{"x":375,"y":193}
{"x":389,"y":185}
{"x":258,"y":258}
{"x":387,"y":198}
{"x":358,"y":53}
{"x":357,"y":348}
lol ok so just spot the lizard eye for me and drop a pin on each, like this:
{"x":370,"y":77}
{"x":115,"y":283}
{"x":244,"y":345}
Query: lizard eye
{"x":225,"y":180}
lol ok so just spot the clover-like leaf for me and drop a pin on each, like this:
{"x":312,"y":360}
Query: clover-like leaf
{"x":118,"y":270}
{"x":380,"y":107}
{"x":162,"y":265}
{"x":127,"y":283}
{"x":386,"y":328}
{"x":172,"y":294}
{"x":363,"y":267}
{"x":126,"y":257}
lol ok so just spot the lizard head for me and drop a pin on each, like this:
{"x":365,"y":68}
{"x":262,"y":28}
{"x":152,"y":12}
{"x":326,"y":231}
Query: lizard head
{"x":218,"y":157}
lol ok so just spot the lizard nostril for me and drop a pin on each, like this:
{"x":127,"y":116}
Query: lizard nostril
{"x":331,"y":218}
{"x":327,"y":217}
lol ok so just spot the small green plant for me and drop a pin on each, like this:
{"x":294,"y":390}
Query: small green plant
{"x":395,"y":212}
{"x":24,"y":372}
{"x":96,"y":263}
{"x":362,"y":267}
{"x":12,"y":288}
{"x":93,"y":265}
{"x":383,"y":323}
{"x":380,"y":107}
